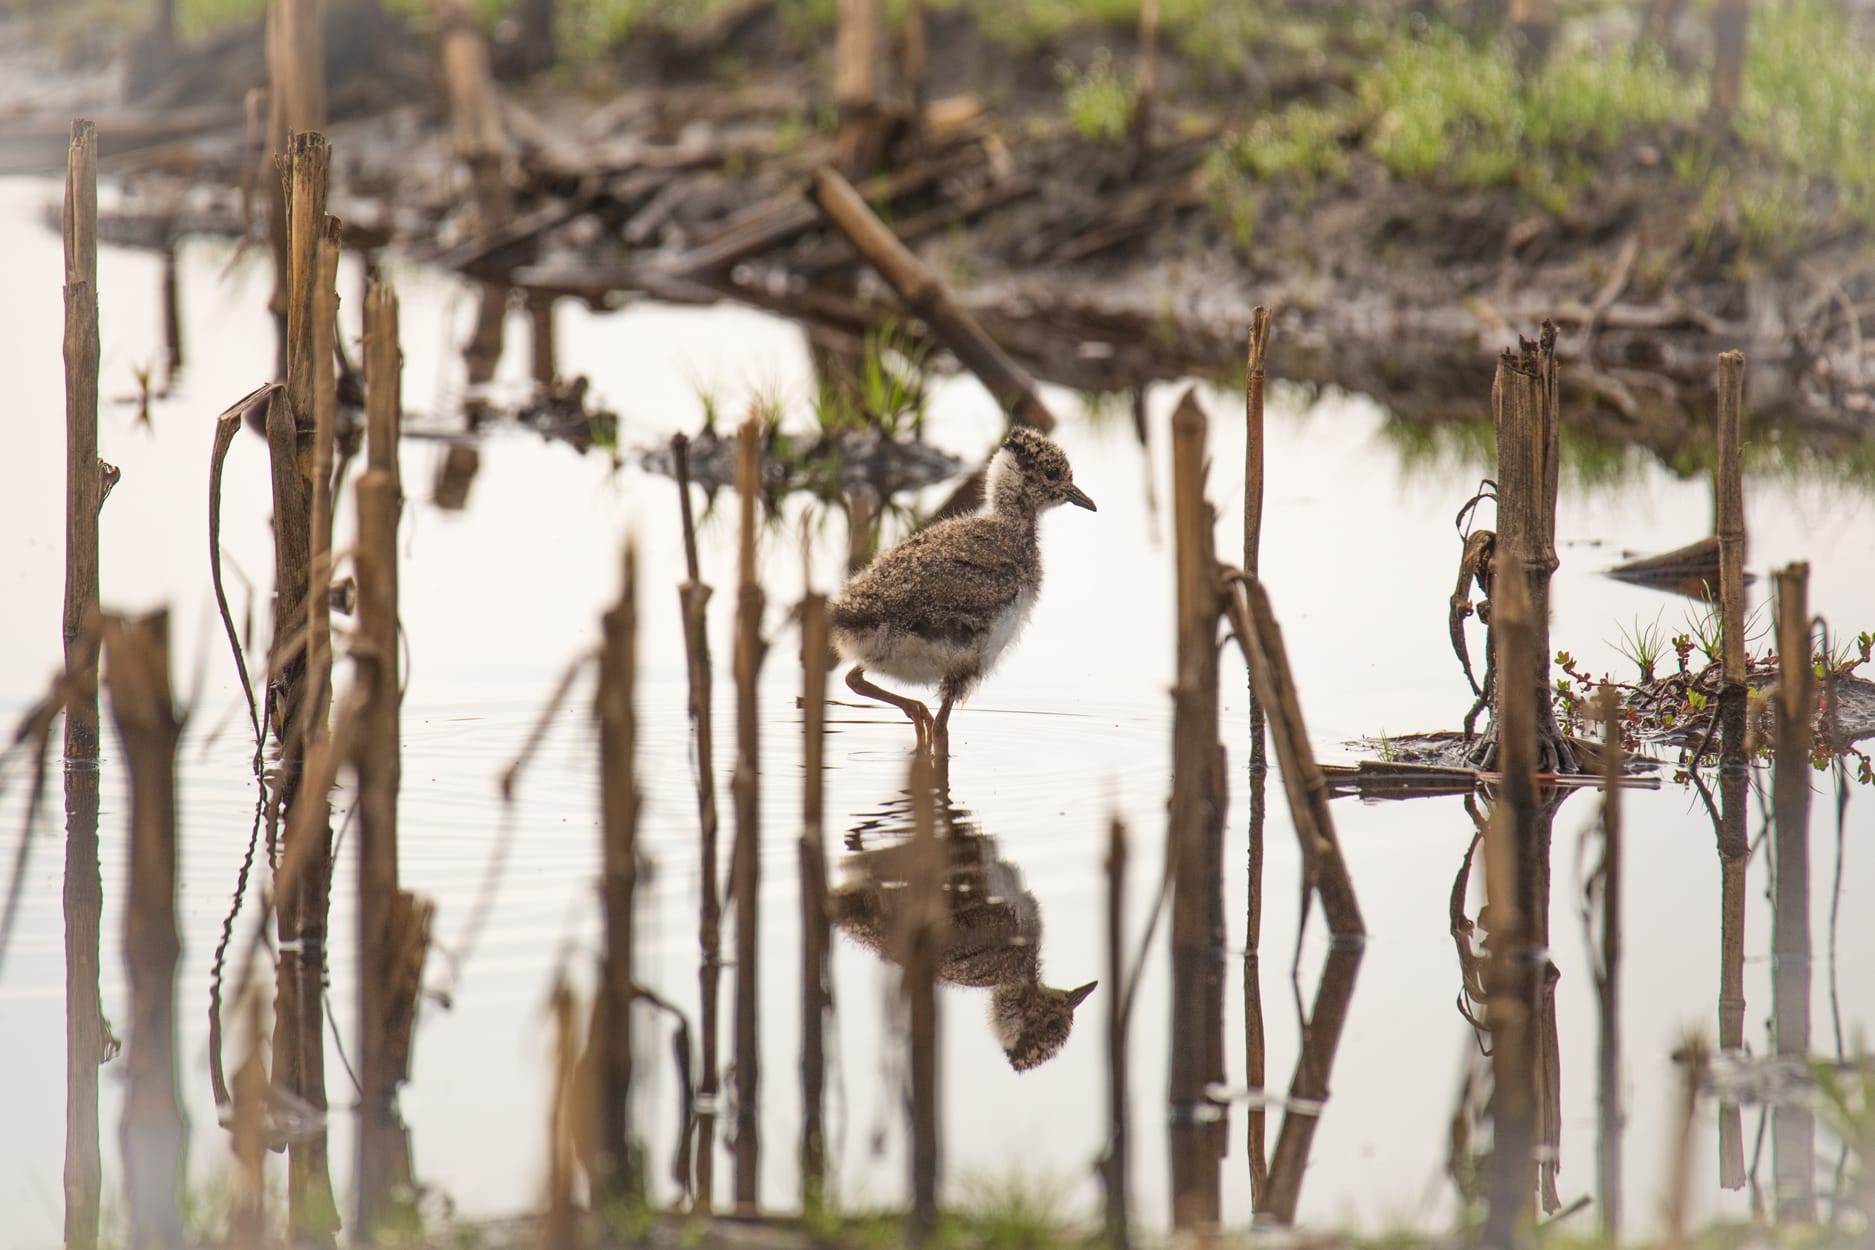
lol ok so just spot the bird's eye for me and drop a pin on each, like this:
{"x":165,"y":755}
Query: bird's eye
{"x":1053,"y":472}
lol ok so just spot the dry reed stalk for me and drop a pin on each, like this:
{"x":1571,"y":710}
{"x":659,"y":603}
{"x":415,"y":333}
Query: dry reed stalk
{"x":816,"y":937}
{"x":694,"y":598}
{"x":745,"y":867}
{"x":1254,"y":623}
{"x":86,"y":477}
{"x":1608,"y":973}
{"x":153,"y":1135}
{"x":1116,"y":1170}
{"x":1524,"y":408}
{"x":1254,"y":369}
{"x":296,"y":694}
{"x":921,"y":946}
{"x":1793,"y":1127}
{"x":1254,"y":1042}
{"x":618,"y":801}
{"x":927,"y":295}
{"x":1728,"y":491}
{"x":172,"y":315}
{"x":247,"y":1223}
{"x":856,"y":85}
{"x":1145,"y":79}
{"x":325,"y":423}
{"x":84,"y":472}
{"x":378,"y":766}
{"x":1194,"y":841}
{"x":1510,"y":975}
{"x":481,"y":144}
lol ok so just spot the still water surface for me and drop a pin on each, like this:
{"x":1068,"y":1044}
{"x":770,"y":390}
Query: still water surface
{"x":1359,"y":556}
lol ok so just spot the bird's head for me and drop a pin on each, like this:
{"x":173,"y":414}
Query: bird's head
{"x":1029,"y":473}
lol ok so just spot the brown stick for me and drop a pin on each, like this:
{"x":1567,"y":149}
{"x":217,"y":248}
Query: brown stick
{"x":912,"y":64}
{"x":1116,"y":1171}
{"x":1608,"y":973}
{"x":1254,"y":1041}
{"x":84,"y":481}
{"x":816,"y":938}
{"x":927,"y":296}
{"x":560,"y":1228}
{"x":921,"y":946}
{"x":1729,"y":21}
{"x":1197,"y":815}
{"x":147,"y":724}
{"x":1729,"y":508}
{"x":247,"y":1225}
{"x":618,"y":731}
{"x":85,"y":1039}
{"x":378,"y":766}
{"x":325,"y":420}
{"x":1510,"y":976}
{"x":1793,"y":1127}
{"x":745,"y":871}
{"x":1253,"y":440}
{"x":694,"y":598}
{"x":1254,"y":623}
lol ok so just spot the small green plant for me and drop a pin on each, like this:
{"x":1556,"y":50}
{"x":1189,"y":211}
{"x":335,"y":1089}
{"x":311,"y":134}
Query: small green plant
{"x":1642,"y":645}
{"x":1099,"y":100}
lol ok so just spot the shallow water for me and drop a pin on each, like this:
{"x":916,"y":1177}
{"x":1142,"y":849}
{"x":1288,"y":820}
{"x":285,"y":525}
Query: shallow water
{"x":1358,"y":554}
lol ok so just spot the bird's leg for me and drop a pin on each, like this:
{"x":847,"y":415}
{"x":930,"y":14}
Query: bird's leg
{"x":941,"y":727}
{"x":919,"y":713}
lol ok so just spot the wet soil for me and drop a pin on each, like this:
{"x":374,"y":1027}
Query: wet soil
{"x":1097,"y":268}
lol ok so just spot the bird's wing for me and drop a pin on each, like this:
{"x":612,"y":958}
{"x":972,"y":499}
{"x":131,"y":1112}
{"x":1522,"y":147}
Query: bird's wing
{"x":951,"y":578}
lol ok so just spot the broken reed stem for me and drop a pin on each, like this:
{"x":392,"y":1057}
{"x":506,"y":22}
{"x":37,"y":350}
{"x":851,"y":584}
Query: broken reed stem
{"x":1197,"y":815}
{"x":1253,"y":440}
{"x":149,"y":728}
{"x":1608,"y":972}
{"x":913,"y":41}
{"x":1115,"y":1172}
{"x":325,"y":421}
{"x":1729,"y":508}
{"x":694,"y":598}
{"x":1693,"y":1060}
{"x":1510,"y":973}
{"x":927,"y":295}
{"x":922,"y":945}
{"x":294,"y":48}
{"x":618,"y":802}
{"x":1793,"y":1128}
{"x":1254,"y":623}
{"x":1524,"y":408}
{"x":816,"y":937}
{"x":560,"y":1228}
{"x":745,"y":869}
{"x":84,"y":472}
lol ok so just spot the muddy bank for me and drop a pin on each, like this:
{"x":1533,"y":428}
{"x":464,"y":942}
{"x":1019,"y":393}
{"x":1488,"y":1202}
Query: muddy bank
{"x":677,"y":171}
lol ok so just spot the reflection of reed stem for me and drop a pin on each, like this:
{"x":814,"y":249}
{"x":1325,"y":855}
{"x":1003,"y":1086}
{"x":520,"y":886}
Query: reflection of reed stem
{"x":694,"y":597}
{"x":1116,"y":1170}
{"x":921,"y":944}
{"x":815,"y":936}
{"x":618,"y":802}
{"x":1607,"y":979}
{"x":1793,"y":1128}
{"x":147,"y":725}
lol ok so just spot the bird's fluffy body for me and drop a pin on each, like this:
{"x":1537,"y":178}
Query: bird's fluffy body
{"x":942,"y":606}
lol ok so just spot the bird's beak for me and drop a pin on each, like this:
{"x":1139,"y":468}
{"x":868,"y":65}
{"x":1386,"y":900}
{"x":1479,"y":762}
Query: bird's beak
{"x":1079,"y":499}
{"x":1078,"y":996}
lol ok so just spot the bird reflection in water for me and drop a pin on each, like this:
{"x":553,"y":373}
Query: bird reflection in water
{"x":994,"y":941}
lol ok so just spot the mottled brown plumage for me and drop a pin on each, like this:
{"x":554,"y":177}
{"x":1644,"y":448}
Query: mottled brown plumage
{"x":942,"y":606}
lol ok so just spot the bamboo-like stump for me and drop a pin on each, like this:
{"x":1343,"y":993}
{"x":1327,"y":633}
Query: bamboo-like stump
{"x":153,"y":1134}
{"x":745,"y":870}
